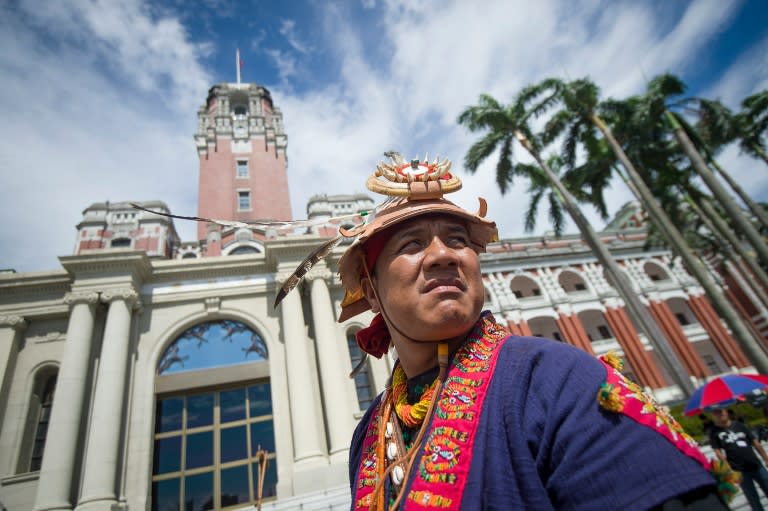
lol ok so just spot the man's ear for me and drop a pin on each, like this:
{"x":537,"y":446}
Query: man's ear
{"x":370,"y":295}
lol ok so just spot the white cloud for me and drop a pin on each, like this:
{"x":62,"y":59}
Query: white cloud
{"x":99,"y":98}
{"x":288,"y":30}
{"x":73,"y":135}
{"x":442,"y":56}
{"x":746,"y":76}
{"x":285,"y":63}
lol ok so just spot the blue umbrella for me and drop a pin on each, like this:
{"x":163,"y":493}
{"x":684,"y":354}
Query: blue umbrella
{"x":724,"y":390}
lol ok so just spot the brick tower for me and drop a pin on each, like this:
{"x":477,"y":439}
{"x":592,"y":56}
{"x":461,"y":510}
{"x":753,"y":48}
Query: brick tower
{"x":243,"y":164}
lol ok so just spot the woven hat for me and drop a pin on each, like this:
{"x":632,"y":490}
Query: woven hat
{"x":415,"y":189}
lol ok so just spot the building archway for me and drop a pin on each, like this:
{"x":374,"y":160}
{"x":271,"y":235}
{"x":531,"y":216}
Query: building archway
{"x":213,"y":425}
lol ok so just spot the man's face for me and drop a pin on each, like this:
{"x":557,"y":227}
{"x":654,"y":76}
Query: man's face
{"x":428,"y":279}
{"x":720,"y":417}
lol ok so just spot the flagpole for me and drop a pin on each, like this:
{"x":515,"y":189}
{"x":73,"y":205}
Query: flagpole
{"x":237,"y":65}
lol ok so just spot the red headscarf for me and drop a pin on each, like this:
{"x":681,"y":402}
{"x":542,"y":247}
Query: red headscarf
{"x":375,"y":338}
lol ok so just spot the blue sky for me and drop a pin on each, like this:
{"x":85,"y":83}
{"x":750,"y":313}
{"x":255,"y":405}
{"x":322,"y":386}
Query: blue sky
{"x":99,"y":98}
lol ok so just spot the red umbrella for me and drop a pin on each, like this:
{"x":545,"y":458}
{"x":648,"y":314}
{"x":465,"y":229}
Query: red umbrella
{"x":724,"y":390}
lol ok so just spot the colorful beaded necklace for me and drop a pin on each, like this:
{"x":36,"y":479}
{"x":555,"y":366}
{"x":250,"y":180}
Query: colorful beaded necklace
{"x":412,"y":415}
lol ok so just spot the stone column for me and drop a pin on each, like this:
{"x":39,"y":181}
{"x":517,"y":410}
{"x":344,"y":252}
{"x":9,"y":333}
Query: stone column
{"x":671,"y":327}
{"x":10,"y":330}
{"x":103,"y":443}
{"x":54,"y":485}
{"x":517,"y":324}
{"x":572,"y":332}
{"x":308,"y":431}
{"x":339,"y":413}
{"x":626,"y":335}
{"x":725,"y":344}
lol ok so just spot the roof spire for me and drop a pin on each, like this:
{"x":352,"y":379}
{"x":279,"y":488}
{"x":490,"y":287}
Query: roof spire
{"x":238,"y":65}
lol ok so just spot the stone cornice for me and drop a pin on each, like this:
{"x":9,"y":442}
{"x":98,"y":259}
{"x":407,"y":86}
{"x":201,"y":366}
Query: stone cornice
{"x":571,"y":255}
{"x":289,"y":252}
{"x":33,"y":285}
{"x":208,"y":267}
{"x":109,"y":263}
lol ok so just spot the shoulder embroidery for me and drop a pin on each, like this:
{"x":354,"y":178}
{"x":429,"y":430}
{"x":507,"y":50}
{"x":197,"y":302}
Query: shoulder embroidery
{"x":619,"y":394}
{"x":445,"y":460}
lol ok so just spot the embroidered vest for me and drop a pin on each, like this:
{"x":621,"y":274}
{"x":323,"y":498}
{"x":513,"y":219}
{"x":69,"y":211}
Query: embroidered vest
{"x":442,"y":465}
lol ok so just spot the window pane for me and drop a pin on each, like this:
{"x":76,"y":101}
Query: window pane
{"x":213,"y":344}
{"x":270,"y":480}
{"x":200,"y":449}
{"x":198,"y":492}
{"x":260,"y":399}
{"x":234,"y":486}
{"x":168,"y":414}
{"x":199,"y":410}
{"x":37,"y":449}
{"x":262,"y":434}
{"x":165,"y":495}
{"x":232,"y":405}
{"x":167,"y":455}
{"x":42,"y":431}
{"x":233,"y":446}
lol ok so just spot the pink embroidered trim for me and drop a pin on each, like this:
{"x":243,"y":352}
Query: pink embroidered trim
{"x":642,"y":408}
{"x":439,"y":478}
{"x":366,"y":478}
{"x":445,"y":460}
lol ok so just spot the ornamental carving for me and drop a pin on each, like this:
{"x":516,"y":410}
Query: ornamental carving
{"x":74,"y":298}
{"x":126,"y":294}
{"x":15,"y":322}
{"x":213,"y":305}
{"x":320,"y":274}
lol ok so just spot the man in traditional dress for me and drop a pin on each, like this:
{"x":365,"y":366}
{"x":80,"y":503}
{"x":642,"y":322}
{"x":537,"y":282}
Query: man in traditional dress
{"x":476,"y":418}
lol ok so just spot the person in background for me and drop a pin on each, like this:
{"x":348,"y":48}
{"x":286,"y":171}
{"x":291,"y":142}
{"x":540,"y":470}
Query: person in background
{"x":735,"y":443}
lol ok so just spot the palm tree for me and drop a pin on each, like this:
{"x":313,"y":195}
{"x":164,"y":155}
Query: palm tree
{"x":504,"y":126}
{"x":716,"y":126}
{"x":540,"y":189}
{"x":734,"y":260}
{"x":663,"y":169}
{"x":579,"y":115}
{"x":655,"y":104}
{"x":753,"y":125}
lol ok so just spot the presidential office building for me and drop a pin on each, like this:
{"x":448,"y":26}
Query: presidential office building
{"x":153,"y":373}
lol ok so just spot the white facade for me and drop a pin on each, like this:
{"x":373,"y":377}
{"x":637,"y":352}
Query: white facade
{"x":104,"y":321}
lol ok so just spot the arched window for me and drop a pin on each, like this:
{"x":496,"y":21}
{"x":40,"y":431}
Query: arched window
{"x":38,"y":417}
{"x":212,"y":344}
{"x":244,"y":249}
{"x":363,"y":379}
{"x":524,"y":287}
{"x":214,"y":427}
{"x":43,"y":417}
{"x":655,"y":272}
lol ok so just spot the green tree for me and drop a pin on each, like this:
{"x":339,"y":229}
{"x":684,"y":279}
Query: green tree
{"x":578,"y":115}
{"x":716,"y":126}
{"x":752,"y":123}
{"x":505,"y":124}
{"x":657,"y":109}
